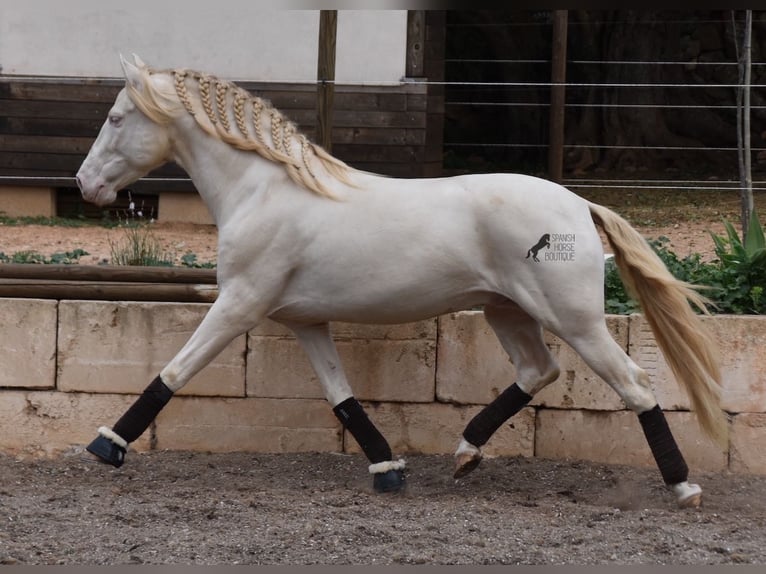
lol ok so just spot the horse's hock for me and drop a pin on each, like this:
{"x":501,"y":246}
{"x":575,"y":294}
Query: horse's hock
{"x":68,"y":364}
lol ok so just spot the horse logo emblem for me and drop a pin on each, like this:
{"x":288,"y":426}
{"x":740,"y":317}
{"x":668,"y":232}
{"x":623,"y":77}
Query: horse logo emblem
{"x":545,"y":241}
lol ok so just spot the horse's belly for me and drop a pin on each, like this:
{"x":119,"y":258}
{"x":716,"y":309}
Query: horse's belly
{"x":376,"y":309}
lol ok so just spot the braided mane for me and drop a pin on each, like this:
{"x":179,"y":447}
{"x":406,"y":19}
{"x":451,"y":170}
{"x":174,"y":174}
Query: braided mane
{"x":216,"y":104}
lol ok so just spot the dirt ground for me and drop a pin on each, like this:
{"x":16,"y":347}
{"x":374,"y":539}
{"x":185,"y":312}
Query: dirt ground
{"x":312,"y":508}
{"x":175,"y":239}
{"x":225,"y":509}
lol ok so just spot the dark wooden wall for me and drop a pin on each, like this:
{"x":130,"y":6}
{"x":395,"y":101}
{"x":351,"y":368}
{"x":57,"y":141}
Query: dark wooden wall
{"x":47,"y":127}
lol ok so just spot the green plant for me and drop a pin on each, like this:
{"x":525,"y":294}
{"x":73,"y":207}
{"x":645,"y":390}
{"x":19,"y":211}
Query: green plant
{"x":29,"y":256}
{"x":690,"y":269}
{"x":616,"y":298}
{"x":189,"y":259}
{"x":139,"y":247}
{"x":43,"y":220}
{"x":741,"y":269}
{"x":734,"y":283}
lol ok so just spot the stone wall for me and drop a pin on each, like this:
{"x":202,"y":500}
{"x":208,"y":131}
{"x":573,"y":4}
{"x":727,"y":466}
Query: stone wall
{"x":68,"y":367}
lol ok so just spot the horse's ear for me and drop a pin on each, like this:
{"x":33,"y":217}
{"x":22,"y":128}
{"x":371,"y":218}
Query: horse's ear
{"x":132,"y":73}
{"x":139,"y":62}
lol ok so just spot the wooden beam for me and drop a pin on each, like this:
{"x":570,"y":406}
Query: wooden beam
{"x":109,"y":273}
{"x":416,"y":41}
{"x":558,"y":96}
{"x":328,"y":24}
{"x":108,"y":290}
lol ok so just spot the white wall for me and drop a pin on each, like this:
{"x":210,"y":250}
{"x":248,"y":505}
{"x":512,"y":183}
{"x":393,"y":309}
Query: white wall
{"x":235,"y":39}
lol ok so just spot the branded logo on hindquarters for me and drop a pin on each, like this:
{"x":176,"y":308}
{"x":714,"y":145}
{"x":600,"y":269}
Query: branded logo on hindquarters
{"x":557,"y":246}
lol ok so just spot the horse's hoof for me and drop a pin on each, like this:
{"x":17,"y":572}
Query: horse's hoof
{"x":687,"y":495}
{"x":106,"y":451}
{"x":693,"y":501}
{"x":391,"y":481}
{"x":465,"y":462}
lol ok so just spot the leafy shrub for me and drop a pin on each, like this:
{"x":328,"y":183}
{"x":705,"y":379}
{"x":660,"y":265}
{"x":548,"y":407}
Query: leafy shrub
{"x":742,"y":270}
{"x":70,"y":257}
{"x":189,"y":259}
{"x":734,"y":282}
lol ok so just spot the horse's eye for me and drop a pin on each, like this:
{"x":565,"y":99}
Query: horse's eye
{"x":115,"y":119}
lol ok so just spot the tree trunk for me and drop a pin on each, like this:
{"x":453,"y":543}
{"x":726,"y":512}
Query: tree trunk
{"x":743,"y":125}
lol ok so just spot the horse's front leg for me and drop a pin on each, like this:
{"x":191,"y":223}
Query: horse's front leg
{"x":388,"y":474}
{"x":230,"y":316}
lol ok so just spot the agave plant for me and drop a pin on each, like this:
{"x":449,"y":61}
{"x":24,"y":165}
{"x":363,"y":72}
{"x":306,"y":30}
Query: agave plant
{"x":743,"y":268}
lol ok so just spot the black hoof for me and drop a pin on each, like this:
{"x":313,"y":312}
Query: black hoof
{"x":391,"y":481}
{"x":107,"y":451}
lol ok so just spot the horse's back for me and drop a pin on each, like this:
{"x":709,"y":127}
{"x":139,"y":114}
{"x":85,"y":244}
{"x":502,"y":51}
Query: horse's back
{"x":398,"y":250}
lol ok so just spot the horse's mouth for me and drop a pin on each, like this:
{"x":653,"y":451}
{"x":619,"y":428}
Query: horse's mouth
{"x":99,"y":195}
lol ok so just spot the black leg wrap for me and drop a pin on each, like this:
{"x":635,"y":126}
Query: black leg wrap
{"x":107,"y":451}
{"x":141,"y":414}
{"x":489,"y":419}
{"x":353,"y":417}
{"x":663,"y":446}
{"x":390,"y":481}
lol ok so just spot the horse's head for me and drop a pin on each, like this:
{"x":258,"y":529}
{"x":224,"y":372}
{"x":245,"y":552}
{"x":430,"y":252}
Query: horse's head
{"x":130,"y":143}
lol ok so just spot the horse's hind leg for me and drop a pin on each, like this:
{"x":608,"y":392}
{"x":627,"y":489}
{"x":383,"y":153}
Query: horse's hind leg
{"x":522,"y":338}
{"x":599,"y":350}
{"x":316,"y":341}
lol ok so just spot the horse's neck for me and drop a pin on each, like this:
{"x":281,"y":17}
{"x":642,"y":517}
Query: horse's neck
{"x":218,"y":171}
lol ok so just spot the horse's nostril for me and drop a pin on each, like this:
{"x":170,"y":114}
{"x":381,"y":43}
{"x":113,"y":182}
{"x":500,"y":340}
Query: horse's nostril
{"x":79,"y":183}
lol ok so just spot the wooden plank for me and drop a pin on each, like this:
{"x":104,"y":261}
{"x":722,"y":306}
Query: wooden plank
{"x":558,"y":96}
{"x":45,"y":144}
{"x":23,"y":163}
{"x":62,"y":92}
{"x":54,"y":110}
{"x":416,"y":40}
{"x":348,"y":99}
{"x":351,"y":101}
{"x":63,"y":164}
{"x":47,"y":126}
{"x":52,"y":127}
{"x":379,"y":119}
{"x":113,"y":273}
{"x":289,"y":100}
{"x":328,"y":25}
{"x":378,"y":136}
{"x":105,"y":91}
{"x":107,"y":291}
{"x":361,"y":118}
{"x":379,"y":154}
{"x":405,"y":170}
{"x":36,"y":180}
{"x":417,"y":102}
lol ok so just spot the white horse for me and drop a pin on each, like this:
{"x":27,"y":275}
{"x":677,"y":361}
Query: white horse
{"x":304,"y":239}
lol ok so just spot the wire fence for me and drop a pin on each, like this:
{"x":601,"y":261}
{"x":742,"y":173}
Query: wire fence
{"x":670,"y":117}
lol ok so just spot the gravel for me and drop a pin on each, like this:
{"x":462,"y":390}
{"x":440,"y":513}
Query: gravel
{"x":319,"y":508}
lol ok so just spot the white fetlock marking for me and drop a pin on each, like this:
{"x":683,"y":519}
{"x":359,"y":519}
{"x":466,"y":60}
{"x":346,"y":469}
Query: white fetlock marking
{"x":687,"y":495}
{"x":106,"y":432}
{"x":385,"y":466}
